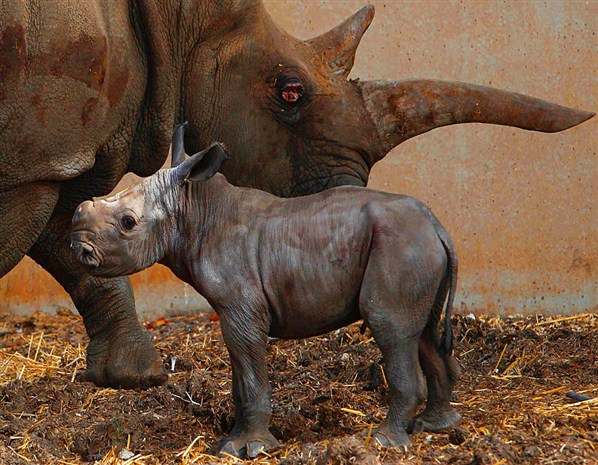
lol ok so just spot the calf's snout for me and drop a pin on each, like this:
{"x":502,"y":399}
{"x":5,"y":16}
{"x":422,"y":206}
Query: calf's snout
{"x":82,"y":250}
{"x":82,"y":235}
{"x":85,"y":252}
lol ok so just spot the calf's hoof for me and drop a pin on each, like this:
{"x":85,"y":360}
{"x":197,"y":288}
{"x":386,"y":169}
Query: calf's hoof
{"x":248,"y":445}
{"x":124,"y":360}
{"x":386,"y":438}
{"x":436,"y":420}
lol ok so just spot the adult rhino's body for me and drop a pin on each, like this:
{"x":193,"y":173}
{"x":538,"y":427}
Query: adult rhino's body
{"x":91,"y":91}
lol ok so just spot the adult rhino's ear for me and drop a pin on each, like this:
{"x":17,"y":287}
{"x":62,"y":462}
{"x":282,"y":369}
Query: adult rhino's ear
{"x":178,"y":145}
{"x":203,"y":165}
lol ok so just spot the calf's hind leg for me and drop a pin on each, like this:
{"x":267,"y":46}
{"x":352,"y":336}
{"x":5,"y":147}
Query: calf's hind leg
{"x":441,"y":373}
{"x":396,"y":314}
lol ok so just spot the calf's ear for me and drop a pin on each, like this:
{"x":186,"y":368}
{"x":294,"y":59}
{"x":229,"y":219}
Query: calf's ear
{"x":203,"y":165}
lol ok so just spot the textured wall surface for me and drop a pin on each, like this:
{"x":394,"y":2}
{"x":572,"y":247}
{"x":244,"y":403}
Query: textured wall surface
{"x":521,"y":206}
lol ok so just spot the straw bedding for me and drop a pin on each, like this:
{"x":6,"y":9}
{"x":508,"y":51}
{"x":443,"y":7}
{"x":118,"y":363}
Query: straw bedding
{"x":327,"y":391}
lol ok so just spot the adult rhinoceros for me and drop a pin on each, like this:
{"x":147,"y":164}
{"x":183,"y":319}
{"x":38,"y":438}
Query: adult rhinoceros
{"x":89,"y":91}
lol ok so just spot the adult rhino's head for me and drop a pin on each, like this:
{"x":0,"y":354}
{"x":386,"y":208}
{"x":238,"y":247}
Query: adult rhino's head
{"x":296,"y":124}
{"x":130,"y":231}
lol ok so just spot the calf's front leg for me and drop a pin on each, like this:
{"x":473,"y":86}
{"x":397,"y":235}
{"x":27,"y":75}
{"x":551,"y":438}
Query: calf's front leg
{"x":246,"y":340}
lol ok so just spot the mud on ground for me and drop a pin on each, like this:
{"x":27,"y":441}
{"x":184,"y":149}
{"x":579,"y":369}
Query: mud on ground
{"x":516,"y":372}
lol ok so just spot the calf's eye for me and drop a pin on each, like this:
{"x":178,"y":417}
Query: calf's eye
{"x":128,"y":222}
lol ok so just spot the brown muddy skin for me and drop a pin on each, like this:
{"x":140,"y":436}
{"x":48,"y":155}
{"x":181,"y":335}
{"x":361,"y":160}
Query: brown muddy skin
{"x":90,"y":92}
{"x":291,"y":268}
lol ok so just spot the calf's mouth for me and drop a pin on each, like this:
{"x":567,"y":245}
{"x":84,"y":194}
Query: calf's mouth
{"x":85,"y":252}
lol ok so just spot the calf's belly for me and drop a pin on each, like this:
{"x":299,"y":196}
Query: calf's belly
{"x":317,"y":294}
{"x":313,"y":319}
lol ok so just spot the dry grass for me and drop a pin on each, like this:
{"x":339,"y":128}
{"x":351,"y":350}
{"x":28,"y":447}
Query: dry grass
{"x":516,"y":372}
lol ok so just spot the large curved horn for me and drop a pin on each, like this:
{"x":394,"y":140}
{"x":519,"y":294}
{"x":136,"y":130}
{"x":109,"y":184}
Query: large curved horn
{"x":178,"y":145}
{"x":403,"y":109}
{"x":338,"y":46}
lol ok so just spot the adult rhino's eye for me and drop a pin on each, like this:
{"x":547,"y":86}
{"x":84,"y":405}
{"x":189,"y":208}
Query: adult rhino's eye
{"x":291,"y":91}
{"x":128,"y":222}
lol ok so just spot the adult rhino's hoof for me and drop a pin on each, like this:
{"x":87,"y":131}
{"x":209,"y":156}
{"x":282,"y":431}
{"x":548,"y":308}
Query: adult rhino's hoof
{"x":436,"y":420}
{"x":248,"y":445}
{"x":125,"y":361}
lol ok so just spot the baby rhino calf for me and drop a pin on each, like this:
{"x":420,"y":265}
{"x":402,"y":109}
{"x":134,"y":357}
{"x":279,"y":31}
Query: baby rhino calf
{"x":291,"y":268}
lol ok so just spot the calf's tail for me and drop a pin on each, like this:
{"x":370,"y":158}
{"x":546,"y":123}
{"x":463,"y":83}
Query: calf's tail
{"x":446,"y":342}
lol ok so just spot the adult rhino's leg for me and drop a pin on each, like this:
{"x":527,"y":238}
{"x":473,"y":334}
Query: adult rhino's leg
{"x":24,"y":211}
{"x":120,"y":351}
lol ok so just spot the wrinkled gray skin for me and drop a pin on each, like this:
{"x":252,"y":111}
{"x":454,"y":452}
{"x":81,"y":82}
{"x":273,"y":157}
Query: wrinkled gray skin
{"x":291,"y":268}
{"x":90,"y":90}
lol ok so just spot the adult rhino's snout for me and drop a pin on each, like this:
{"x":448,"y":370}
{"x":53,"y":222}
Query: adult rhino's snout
{"x":82,"y":235}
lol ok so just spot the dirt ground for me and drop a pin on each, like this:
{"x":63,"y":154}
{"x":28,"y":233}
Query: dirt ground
{"x":326,"y":390}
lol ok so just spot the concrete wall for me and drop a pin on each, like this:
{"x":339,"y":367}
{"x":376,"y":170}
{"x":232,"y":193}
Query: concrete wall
{"x":521,"y":206}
